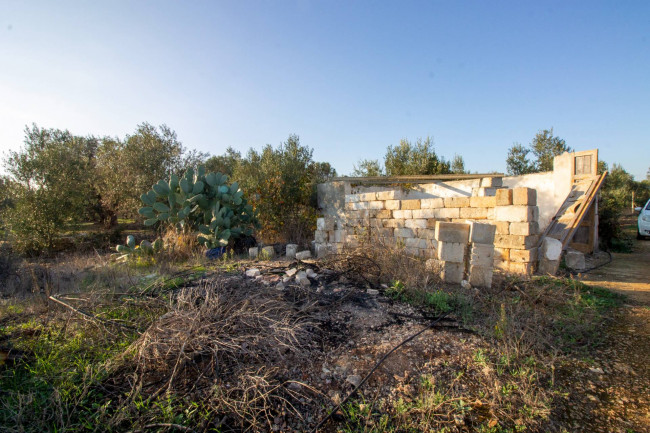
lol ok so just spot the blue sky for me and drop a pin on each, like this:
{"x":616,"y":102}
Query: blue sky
{"x":349,"y":77}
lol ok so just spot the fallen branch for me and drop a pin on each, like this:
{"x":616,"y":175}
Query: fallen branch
{"x":92,"y":316}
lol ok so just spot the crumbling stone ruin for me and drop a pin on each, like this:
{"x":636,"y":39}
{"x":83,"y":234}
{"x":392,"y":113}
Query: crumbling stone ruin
{"x":468,"y":227}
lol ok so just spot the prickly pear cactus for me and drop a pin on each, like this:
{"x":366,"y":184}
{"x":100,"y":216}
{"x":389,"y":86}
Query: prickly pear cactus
{"x":203,"y":202}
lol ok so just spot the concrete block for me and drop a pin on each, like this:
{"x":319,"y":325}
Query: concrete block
{"x":451,"y":252}
{"x":320,"y":236}
{"x":403,"y":214}
{"x":254,"y":272}
{"x":517,"y":213}
{"x":351,"y":198}
{"x":253,"y":252}
{"x":524,"y":228}
{"x":423,"y":213}
{"x":376,"y":205}
{"x":548,"y":267}
{"x":522,"y":269}
{"x":504,"y":197}
{"x":481,"y":276}
{"x":410,"y":204}
{"x":337,"y":236}
{"x":456,"y":201}
{"x":482,"y":255}
{"x":291,"y":251}
{"x":476,"y":213}
{"x":322,"y":250}
{"x":490,"y":213}
{"x":431,"y":203}
{"x":452,"y":232}
{"x":368,"y":196}
{"x":302,"y":255}
{"x":431,"y":222}
{"x":491,"y":182}
{"x":392,"y":204}
{"x":451,"y":212}
{"x":416,"y":224}
{"x":503,"y":227}
{"x":395,"y":223}
{"x":575,"y":260}
{"x":404,"y":233}
{"x":383,"y":233}
{"x":267,"y":253}
{"x":524,"y":196}
{"x":384,"y":214}
{"x":523,"y":256}
{"x":360,"y":205}
{"x":482,"y":201}
{"x":515,"y":241}
{"x":452,"y":272}
{"x":482,"y":233}
{"x":551,"y":249}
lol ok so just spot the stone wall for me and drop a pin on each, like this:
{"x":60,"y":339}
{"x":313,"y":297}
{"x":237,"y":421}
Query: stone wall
{"x":408,"y":218}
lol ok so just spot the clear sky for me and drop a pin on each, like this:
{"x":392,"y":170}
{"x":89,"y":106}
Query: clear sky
{"x":349,"y":77}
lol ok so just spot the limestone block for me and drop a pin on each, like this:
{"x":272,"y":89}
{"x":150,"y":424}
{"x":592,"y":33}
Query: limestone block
{"x":403,"y":214}
{"x":503,"y":227}
{"x":451,"y":212}
{"x":302,"y":255}
{"x":516,"y":213}
{"x":451,"y":251}
{"x":376,"y":205}
{"x":410,"y":204}
{"x":426,"y":233}
{"x":351,"y":198}
{"x":523,"y":269}
{"x":481,"y":276}
{"x":368,"y":196}
{"x":452,"y":272}
{"x":416,"y":224}
{"x":501,"y":254}
{"x":482,"y":201}
{"x":253,"y":252}
{"x":524,"y":228}
{"x":395,"y":223}
{"x":484,"y":192}
{"x":551,"y":249}
{"x":476,"y":213}
{"x":267,"y":253}
{"x":431,"y":222}
{"x":415,"y":243}
{"x":456,"y":201}
{"x":322,"y":250}
{"x":452,"y":232}
{"x":384,"y":232}
{"x":490,"y":213}
{"x":392,"y":204}
{"x":423,"y":213}
{"x":376,"y":223}
{"x":548,"y":267}
{"x":361,"y":205}
{"x":523,"y":256}
{"x":291,"y":251}
{"x":320,"y":236}
{"x":482,"y":255}
{"x":575,"y":260}
{"x":504,"y":197}
{"x":404,"y":233}
{"x":515,"y":241}
{"x":350,"y":240}
{"x":431,"y":203}
{"x":389,"y":195}
{"x":384,"y":214}
{"x":482,"y":233}
{"x":491,"y":182}
{"x":337,"y":236}
{"x":412,"y":251}
{"x":524,"y":196}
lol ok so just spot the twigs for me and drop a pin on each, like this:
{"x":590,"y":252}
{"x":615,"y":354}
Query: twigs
{"x":92,"y":316}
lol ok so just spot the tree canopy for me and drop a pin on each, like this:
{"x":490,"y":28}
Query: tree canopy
{"x":544,"y":147}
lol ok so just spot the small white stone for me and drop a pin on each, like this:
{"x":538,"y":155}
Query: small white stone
{"x":302,"y":255}
{"x":310,"y":273}
{"x":253,"y":272}
{"x":373,"y":292}
{"x":291,"y":272}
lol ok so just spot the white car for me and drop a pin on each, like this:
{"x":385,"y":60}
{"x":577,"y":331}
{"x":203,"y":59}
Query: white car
{"x":643,"y":225}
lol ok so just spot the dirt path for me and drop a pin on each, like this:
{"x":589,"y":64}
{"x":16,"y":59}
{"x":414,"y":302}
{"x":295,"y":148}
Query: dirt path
{"x":611,"y":392}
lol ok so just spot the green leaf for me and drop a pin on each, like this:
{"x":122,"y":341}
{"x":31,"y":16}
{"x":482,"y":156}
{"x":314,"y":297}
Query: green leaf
{"x":150,"y":221}
{"x":211,"y":179}
{"x":204,"y":230}
{"x":173,"y":182}
{"x":233,"y":188}
{"x":145,"y":210}
{"x":224,"y":235}
{"x":223,"y":189}
{"x":146,"y":200}
{"x":130,"y":241}
{"x":186,"y":186}
{"x":123,"y":249}
{"x":163,"y":216}
{"x":198,"y":187}
{"x":161,"y":207}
